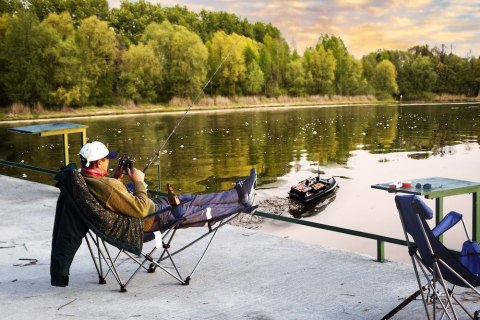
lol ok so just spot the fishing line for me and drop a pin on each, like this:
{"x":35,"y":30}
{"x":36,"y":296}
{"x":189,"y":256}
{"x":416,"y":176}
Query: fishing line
{"x":157,"y":154}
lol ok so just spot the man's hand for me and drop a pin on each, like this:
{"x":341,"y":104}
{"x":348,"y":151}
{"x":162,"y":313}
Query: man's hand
{"x":117,"y":173}
{"x":136,"y":175}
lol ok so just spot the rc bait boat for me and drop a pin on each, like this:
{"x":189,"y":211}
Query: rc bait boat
{"x":313,"y":189}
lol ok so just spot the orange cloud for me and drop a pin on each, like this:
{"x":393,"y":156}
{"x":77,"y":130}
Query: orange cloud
{"x":363,"y":25}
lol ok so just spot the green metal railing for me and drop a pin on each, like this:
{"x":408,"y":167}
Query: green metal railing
{"x":381,"y":240}
{"x":26,"y":166}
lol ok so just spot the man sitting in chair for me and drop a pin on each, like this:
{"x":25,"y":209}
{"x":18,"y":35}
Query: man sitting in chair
{"x":114,"y":195}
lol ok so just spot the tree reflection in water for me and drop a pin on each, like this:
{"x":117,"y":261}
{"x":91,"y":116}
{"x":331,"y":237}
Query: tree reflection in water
{"x":210,"y":151}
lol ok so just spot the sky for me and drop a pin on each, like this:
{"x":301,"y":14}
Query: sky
{"x":365,"y":26}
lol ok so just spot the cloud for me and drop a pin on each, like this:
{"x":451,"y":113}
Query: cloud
{"x":363,"y":25}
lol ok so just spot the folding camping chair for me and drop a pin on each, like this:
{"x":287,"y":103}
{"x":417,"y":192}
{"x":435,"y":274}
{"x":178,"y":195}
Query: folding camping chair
{"x":435,"y":265}
{"x":162,"y":239}
{"x":85,"y":217}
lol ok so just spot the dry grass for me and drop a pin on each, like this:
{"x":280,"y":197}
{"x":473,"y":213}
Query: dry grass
{"x":66,"y":109}
{"x":18,"y":111}
{"x":222,"y":101}
{"x":179,"y":102}
{"x":453,"y":97}
{"x":18,"y":108}
{"x":38,"y":108}
{"x":206,"y":102}
{"x":250,"y":100}
{"x":315,"y":99}
{"x":127,"y":103}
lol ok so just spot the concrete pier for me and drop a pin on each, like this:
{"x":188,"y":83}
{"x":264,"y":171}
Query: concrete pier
{"x":246,"y":275}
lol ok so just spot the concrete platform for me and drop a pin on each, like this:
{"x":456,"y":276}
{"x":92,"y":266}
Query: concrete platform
{"x":246,"y":275}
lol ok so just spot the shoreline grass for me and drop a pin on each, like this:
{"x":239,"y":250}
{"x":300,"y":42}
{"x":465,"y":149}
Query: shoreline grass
{"x":19,"y":112}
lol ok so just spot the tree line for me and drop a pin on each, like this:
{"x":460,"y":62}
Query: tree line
{"x":80,"y":52}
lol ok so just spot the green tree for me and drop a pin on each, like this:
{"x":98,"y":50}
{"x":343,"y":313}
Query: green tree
{"x":5,"y":22}
{"x":369,"y":62}
{"x":181,"y":16}
{"x":228,"y":51}
{"x":423,"y":76}
{"x":97,"y":52}
{"x":254,"y":79}
{"x":63,"y":61}
{"x":131,"y":19}
{"x":82,"y":9}
{"x":24,"y":52}
{"x":474,"y":79}
{"x":295,"y":78}
{"x":336,"y":46}
{"x":78,"y":9}
{"x":140,"y":74}
{"x":354,"y":82}
{"x":402,"y":61}
{"x":11,"y":6}
{"x":183,"y":56}
{"x":453,"y":74}
{"x":320,"y":66}
{"x":211,"y":22}
{"x":273,"y":61}
{"x":384,"y":79}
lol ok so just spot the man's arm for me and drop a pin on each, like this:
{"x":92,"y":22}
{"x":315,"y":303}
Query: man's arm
{"x":136,"y":204}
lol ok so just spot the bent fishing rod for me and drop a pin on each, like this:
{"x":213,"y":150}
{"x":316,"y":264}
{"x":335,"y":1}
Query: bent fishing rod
{"x":197,"y":97}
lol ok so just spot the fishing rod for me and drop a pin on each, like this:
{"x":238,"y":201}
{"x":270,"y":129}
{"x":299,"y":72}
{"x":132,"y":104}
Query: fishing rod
{"x":157,"y":154}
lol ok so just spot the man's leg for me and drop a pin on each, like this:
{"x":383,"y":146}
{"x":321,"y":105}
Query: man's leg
{"x":200,"y":214}
{"x":243,"y":193}
{"x":195,"y":200}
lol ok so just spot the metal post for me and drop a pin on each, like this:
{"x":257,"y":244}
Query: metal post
{"x":65,"y":149}
{"x":84,"y":136}
{"x":380,"y":251}
{"x":475,"y":218}
{"x":439,"y":213}
{"x":159,"y":176}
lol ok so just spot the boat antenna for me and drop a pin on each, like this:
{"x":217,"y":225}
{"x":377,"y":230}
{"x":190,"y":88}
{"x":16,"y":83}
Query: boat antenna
{"x":197,"y":97}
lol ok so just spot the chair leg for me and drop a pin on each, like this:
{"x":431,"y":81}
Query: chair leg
{"x":401,"y":305}
{"x":111,"y":261}
{"x":98,"y":265}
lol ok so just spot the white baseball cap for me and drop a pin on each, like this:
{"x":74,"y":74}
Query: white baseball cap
{"x":96,"y":150}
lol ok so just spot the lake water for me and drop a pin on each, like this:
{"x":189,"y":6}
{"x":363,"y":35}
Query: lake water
{"x":364,"y":144}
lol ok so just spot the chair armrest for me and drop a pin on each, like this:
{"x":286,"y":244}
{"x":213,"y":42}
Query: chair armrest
{"x":449,"y":221}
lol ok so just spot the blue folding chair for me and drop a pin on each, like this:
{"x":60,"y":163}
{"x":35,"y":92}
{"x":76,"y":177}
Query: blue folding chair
{"x":435,"y":265}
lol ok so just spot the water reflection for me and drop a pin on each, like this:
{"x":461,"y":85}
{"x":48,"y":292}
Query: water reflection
{"x":210,"y":151}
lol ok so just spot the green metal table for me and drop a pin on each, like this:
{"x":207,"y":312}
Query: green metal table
{"x":440,"y":188}
{"x":52,"y":129}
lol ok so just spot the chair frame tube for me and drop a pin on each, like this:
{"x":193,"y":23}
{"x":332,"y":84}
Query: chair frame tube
{"x":436,"y":277}
{"x":104,"y":255}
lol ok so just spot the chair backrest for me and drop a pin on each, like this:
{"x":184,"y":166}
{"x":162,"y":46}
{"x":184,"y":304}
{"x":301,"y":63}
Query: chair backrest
{"x":118,"y":230}
{"x":414,"y":213}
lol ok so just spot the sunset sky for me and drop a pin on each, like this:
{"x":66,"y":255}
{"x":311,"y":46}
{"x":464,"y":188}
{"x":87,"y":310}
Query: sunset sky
{"x":363,"y":25}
